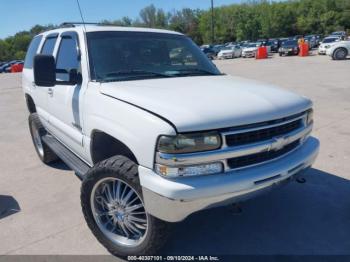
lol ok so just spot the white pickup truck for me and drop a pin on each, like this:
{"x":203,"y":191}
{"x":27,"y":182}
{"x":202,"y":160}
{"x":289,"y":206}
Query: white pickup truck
{"x":155,"y":131}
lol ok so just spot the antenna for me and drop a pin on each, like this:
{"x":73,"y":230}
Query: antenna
{"x":81,"y":15}
{"x":85,"y":40}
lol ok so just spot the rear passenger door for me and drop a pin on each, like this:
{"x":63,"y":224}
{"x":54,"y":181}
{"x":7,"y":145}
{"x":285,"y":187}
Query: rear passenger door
{"x":41,"y":92}
{"x":64,"y":98}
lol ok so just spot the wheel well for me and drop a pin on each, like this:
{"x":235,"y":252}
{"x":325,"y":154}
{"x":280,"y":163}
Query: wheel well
{"x":104,"y":146}
{"x":30,"y":104}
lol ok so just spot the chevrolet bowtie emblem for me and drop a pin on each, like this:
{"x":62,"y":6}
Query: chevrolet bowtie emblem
{"x":278,"y":143}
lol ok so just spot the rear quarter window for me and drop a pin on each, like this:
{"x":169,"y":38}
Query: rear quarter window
{"x":32,"y":51}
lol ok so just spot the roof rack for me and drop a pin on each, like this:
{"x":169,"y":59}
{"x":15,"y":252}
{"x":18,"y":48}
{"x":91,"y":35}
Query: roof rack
{"x":74,"y":24}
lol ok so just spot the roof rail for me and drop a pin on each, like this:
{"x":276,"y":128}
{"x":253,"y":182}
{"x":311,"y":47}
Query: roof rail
{"x":74,"y":24}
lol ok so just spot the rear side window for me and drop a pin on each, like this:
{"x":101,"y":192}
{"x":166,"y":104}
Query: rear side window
{"x":49,"y":46}
{"x":32,"y":50}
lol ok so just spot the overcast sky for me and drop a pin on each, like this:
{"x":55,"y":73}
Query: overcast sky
{"x":18,"y":15}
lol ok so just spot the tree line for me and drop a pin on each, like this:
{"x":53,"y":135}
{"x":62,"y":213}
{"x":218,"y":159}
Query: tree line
{"x":250,"y":20}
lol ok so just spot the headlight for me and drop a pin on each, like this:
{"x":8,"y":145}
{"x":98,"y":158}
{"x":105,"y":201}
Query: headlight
{"x":310,"y":117}
{"x":327,"y":46}
{"x":204,"y":169}
{"x":189,"y":143}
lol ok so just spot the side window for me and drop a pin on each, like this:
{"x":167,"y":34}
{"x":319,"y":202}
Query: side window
{"x":48,"y":46}
{"x":67,"y":58}
{"x":32,"y":50}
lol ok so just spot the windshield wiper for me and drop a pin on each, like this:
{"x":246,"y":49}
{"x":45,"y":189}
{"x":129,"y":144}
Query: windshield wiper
{"x":135,"y":72}
{"x":194,"y":71}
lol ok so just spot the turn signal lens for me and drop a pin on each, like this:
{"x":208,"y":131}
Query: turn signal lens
{"x":310,"y":117}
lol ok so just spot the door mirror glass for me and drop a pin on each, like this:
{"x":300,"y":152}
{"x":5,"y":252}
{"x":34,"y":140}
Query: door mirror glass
{"x":44,"y":70}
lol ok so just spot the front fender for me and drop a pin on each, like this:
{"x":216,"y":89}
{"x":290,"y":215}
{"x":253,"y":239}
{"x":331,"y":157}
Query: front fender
{"x":137,"y":129}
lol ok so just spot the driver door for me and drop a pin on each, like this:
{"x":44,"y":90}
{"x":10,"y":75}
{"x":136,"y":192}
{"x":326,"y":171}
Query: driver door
{"x":64,"y":98}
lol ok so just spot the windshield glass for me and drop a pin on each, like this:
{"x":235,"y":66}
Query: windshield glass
{"x":251,"y":45}
{"x":121,"y":56}
{"x":290,"y":42}
{"x":329,"y":40}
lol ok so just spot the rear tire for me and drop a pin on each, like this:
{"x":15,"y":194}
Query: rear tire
{"x":112,"y":223}
{"x":37,"y":131}
{"x":340,"y":53}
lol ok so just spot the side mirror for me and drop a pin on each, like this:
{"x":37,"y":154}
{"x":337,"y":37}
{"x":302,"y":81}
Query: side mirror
{"x":44,"y":70}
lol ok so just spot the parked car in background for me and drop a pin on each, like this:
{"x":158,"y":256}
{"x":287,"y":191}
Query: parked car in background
{"x":230,"y":52}
{"x":273,"y":44}
{"x":327,"y":43}
{"x":297,"y":37}
{"x":339,"y":50}
{"x":341,"y":34}
{"x":249,"y":50}
{"x":263,"y":42}
{"x":318,"y":39}
{"x":311,"y":40}
{"x":206,"y":46}
{"x":209,"y":52}
{"x":217,"y":48}
{"x":6,"y":68}
{"x":289,"y":47}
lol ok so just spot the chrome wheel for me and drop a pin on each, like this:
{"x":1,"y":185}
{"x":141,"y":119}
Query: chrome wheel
{"x":37,"y":140}
{"x":119,"y":212}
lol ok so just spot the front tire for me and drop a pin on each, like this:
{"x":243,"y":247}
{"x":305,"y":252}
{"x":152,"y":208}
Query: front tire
{"x":37,"y":131}
{"x":113,"y":207}
{"x":340,"y":54}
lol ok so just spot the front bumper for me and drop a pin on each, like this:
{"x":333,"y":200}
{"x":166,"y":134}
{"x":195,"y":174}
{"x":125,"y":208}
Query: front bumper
{"x":250,"y":54}
{"x":322,"y":51}
{"x":289,"y":52}
{"x":174,"y":199}
{"x":225,"y":56}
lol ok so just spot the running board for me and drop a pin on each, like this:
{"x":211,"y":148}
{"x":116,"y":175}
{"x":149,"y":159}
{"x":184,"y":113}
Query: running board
{"x":70,"y":159}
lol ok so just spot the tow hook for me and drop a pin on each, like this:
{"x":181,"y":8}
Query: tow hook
{"x":300,"y":180}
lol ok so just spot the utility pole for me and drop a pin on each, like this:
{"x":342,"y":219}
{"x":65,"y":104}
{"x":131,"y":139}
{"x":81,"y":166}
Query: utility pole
{"x":212,"y":22}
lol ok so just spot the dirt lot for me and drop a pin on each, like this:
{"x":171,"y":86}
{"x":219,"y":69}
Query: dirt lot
{"x":310,"y":218}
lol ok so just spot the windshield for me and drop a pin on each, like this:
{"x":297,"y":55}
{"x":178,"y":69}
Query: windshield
{"x":122,"y":56}
{"x":290,"y":42}
{"x":251,"y":45}
{"x":329,"y":40}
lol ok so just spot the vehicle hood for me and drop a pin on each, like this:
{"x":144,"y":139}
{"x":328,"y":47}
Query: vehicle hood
{"x":207,"y":102}
{"x":289,"y":46}
{"x":249,"y":49}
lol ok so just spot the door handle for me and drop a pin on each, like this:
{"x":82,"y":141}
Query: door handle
{"x":50,"y":92}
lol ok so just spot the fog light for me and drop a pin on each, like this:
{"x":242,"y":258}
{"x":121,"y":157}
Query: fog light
{"x":205,"y":169}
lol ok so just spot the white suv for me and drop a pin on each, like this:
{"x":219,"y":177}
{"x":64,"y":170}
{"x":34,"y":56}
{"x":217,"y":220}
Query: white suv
{"x":155,"y":131}
{"x":339,"y":50}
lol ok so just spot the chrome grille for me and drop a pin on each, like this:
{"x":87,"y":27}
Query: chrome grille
{"x":262,"y":134}
{"x":253,"y":159}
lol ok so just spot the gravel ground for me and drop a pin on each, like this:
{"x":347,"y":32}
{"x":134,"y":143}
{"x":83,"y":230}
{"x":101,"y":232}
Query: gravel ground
{"x":43,"y":207}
